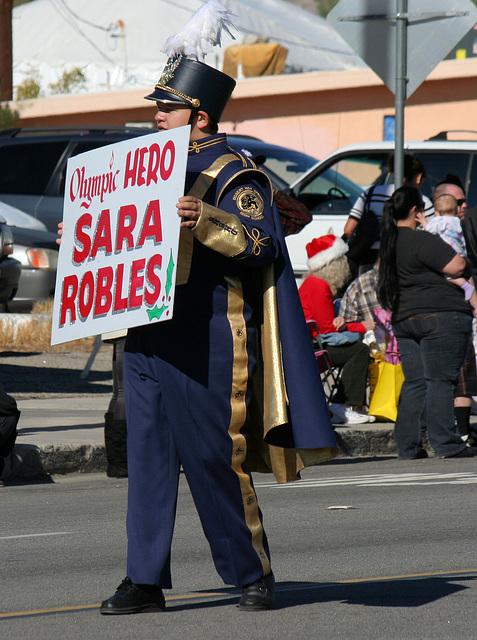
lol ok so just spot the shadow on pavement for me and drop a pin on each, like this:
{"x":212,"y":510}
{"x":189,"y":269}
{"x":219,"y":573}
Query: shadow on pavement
{"x":19,"y":481}
{"x":24,"y":379}
{"x":24,"y":431}
{"x":405,"y":592}
{"x":357,"y":460}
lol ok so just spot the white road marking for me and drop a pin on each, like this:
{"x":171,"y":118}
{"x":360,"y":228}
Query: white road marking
{"x":381,"y":480}
{"x":37,"y":535}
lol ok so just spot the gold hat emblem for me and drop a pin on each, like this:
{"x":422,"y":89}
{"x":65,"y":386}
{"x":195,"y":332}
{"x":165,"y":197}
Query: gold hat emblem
{"x":169,"y":69}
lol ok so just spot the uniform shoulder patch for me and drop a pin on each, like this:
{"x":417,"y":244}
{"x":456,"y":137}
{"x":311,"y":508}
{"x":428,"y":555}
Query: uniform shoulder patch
{"x":249,"y":202}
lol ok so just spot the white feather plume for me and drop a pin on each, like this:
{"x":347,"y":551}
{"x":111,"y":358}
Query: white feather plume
{"x":202,"y":32}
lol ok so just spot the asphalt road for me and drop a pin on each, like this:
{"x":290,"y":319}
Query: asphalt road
{"x":375,"y":549}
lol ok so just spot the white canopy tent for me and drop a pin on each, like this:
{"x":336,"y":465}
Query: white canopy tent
{"x":117,"y":43}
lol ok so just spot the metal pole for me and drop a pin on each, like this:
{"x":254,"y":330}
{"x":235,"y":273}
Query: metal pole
{"x":400,"y":95}
{"x":6,"y":88}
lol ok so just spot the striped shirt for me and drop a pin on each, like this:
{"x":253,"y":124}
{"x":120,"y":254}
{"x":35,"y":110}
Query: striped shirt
{"x":380,"y":194}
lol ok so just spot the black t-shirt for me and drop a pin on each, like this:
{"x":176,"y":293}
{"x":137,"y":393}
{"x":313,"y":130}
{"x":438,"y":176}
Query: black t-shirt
{"x":469,"y":227}
{"x":423,"y":288}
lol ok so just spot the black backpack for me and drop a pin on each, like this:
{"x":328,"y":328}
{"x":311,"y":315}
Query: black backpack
{"x":366,"y":233}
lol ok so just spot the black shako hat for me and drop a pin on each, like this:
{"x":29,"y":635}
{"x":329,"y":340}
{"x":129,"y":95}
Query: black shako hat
{"x":194,"y":83}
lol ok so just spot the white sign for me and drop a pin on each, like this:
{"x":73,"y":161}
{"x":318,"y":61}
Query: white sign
{"x":118,"y":255}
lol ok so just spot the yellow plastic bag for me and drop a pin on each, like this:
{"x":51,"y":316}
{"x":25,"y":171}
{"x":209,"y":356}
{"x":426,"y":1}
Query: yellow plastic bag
{"x":386,"y":379}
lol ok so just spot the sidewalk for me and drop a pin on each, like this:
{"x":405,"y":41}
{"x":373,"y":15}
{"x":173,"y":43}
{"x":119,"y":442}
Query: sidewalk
{"x":61,"y":428}
{"x":62,"y":400}
{"x":65,"y":435}
{"x":60,"y":435}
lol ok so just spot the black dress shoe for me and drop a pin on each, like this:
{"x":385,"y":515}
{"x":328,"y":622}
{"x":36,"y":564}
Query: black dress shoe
{"x":422,"y":453}
{"x":468,"y":452}
{"x":258,"y":595}
{"x":134,"y":598}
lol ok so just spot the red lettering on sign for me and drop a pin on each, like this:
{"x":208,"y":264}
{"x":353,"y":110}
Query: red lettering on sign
{"x":88,"y":187}
{"x":102,"y":236}
{"x":68,"y":297}
{"x":167,"y":163}
{"x":82,"y":239}
{"x":152,"y":226}
{"x":104,"y":296}
{"x":130,"y":170}
{"x":141,"y":168}
{"x":110,"y":290}
{"x":119,"y":303}
{"x":151,"y":296}
{"x":137,"y":282}
{"x":127,"y":218}
{"x":138,"y":166}
{"x":153,"y":166}
{"x":86,"y":294}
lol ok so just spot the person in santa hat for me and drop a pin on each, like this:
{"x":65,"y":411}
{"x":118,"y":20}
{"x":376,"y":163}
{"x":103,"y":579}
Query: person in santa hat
{"x":329,"y":272}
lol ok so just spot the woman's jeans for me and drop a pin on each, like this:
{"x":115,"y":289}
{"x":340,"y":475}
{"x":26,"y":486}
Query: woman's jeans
{"x":432,"y":347}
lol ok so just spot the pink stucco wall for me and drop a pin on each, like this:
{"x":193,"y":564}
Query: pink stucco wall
{"x":313,"y":112}
{"x":327,"y":111}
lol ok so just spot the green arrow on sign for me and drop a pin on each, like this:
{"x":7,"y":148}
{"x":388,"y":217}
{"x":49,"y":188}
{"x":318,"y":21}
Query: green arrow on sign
{"x":156,"y":312}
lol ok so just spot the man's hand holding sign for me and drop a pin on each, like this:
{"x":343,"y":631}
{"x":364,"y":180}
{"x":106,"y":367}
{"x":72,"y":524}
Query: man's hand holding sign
{"x":120,"y":235}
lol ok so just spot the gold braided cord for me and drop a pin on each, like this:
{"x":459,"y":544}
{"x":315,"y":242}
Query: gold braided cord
{"x":195,"y":102}
{"x":198,"y":146}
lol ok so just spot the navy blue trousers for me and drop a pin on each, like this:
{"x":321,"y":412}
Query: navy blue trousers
{"x":178,"y":415}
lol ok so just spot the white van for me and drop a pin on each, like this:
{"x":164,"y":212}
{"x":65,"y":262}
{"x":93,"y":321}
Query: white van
{"x":331,"y":187}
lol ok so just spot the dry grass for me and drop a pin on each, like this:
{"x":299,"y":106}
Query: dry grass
{"x":33,"y":333}
{"x":43,"y":306}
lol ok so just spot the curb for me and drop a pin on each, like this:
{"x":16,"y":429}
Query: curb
{"x":29,"y":460}
{"x":366,"y":441}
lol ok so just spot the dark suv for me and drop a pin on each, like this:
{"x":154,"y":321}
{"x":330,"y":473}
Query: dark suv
{"x":33,"y":163}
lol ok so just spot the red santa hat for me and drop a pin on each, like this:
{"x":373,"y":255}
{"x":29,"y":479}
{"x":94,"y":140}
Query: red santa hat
{"x":323,"y":250}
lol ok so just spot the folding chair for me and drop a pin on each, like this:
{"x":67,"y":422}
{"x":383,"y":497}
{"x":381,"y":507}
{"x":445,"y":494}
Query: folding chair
{"x":330,"y":377}
{"x":330,"y":373}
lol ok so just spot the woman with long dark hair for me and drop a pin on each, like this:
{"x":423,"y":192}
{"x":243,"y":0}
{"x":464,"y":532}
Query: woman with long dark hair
{"x":432,"y":322}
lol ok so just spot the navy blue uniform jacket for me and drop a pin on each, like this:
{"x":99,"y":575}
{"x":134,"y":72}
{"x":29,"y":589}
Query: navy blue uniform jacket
{"x":288,"y":408}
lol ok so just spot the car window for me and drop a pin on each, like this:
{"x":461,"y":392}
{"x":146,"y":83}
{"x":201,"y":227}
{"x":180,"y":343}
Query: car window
{"x":439,"y":164}
{"x":80,"y":147}
{"x":280,"y":162}
{"x":335,"y":188}
{"x":288,"y":166}
{"x":363,"y":171}
{"x":27,"y":168}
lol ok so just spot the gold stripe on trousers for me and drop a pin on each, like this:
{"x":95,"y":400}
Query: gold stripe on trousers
{"x":239,"y":414}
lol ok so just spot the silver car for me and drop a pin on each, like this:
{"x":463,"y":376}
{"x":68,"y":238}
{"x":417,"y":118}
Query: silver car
{"x":36,"y":251}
